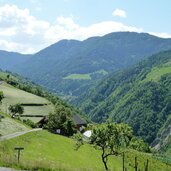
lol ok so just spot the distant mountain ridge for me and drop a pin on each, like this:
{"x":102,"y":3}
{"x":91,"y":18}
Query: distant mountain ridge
{"x":71,"y":67}
{"x":8,"y":60}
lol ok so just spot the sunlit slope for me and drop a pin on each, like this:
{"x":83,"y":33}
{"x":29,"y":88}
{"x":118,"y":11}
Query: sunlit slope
{"x":43,"y":149}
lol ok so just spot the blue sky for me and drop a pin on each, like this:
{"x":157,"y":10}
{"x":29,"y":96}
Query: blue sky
{"x":27,"y":26}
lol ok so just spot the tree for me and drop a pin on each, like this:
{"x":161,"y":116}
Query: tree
{"x":61,"y":119}
{"x":8,"y":76}
{"x":139,"y":145}
{"x":1,"y":96}
{"x":14,"y":109}
{"x":111,"y":139}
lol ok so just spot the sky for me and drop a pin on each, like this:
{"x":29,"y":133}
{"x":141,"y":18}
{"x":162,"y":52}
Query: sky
{"x":27,"y":26}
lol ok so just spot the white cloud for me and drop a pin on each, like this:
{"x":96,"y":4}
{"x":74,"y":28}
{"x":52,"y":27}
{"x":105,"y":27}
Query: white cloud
{"x":67,"y":23}
{"x":22,"y":32}
{"x":65,"y":28}
{"x":12,"y":46}
{"x":120,"y":13}
{"x":19,"y":31}
{"x":162,"y":35}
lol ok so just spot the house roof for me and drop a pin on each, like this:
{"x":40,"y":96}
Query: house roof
{"x":78,"y":120}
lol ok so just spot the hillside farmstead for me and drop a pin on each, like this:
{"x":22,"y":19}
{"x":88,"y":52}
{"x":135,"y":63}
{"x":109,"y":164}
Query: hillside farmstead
{"x":80,"y":123}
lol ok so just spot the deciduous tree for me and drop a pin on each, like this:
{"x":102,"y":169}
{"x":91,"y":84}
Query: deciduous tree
{"x":61,"y":119}
{"x":14,"y":109}
{"x":110,"y":138}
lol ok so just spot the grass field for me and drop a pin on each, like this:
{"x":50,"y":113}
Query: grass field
{"x":14,"y":96}
{"x":9,"y":126}
{"x":156,"y":73}
{"x":45,"y":150}
{"x":85,"y":76}
{"x":78,"y":77}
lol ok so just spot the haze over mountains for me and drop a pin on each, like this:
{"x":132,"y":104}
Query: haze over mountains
{"x":70,"y":67}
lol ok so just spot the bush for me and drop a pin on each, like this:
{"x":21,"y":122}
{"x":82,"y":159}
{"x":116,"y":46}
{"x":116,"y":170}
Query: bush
{"x":61,"y":119}
{"x":30,"y":123}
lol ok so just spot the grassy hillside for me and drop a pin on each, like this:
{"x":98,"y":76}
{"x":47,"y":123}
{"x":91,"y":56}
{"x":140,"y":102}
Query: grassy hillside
{"x":9,"y":126}
{"x":139,"y":96}
{"x":45,"y":150}
{"x":13,"y":96}
{"x":71,"y":67}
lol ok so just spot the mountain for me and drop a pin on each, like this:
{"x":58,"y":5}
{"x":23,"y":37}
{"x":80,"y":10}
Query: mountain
{"x":70,"y":67}
{"x":139,"y":96}
{"x":11,"y":59}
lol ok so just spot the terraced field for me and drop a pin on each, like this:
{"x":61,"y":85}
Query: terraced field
{"x":33,"y":105}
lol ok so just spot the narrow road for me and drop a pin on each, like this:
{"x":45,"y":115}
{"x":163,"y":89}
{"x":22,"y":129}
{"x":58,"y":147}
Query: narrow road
{"x":1,"y":82}
{"x":6,"y":169}
{"x":10,"y":136}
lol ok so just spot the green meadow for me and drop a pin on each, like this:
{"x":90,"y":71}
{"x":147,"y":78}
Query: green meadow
{"x":156,"y":73}
{"x":78,"y":77}
{"x":85,"y":76}
{"x":43,"y":150}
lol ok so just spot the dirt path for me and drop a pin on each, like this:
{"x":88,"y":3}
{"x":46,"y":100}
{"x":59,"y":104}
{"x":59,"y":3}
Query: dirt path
{"x":10,"y":136}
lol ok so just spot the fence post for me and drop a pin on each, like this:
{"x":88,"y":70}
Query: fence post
{"x":123,"y":162}
{"x":136,"y":164}
{"x":146,"y":167}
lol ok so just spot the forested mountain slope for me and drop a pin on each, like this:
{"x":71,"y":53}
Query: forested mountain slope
{"x":70,"y":67}
{"x":140,"y":96}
